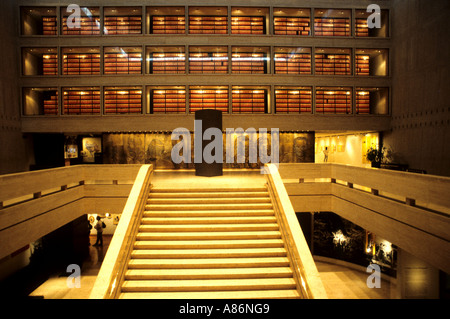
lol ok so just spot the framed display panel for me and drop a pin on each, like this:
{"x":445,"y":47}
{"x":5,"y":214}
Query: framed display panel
{"x":167,"y":100}
{"x":292,"y":21}
{"x":330,"y":100}
{"x":123,"y":100}
{"x":39,"y":61}
{"x":361,"y":26}
{"x":166,"y":20}
{"x":332,"y":22}
{"x":250,"y":60}
{"x":122,"y":60}
{"x":80,"y":61}
{"x":372,"y":100}
{"x":81,"y":101}
{"x":249,"y":100}
{"x":208,"y":60}
{"x":122,"y":20}
{"x":294,"y":100}
{"x":166,"y":60}
{"x":208,"y":97}
{"x":208,"y":20}
{"x":40,"y":101}
{"x":38,"y":21}
{"x":333,"y":61}
{"x":290,"y":60}
{"x":89,"y":22}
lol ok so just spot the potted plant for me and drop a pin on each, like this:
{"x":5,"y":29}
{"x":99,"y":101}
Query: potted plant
{"x":375,"y":156}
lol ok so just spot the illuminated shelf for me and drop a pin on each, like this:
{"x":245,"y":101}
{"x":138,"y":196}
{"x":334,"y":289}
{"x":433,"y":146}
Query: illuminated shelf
{"x":85,"y":102}
{"x":332,"y":64}
{"x":247,"y":25}
{"x":49,"y":26}
{"x":333,"y":102}
{"x":292,"y":26}
{"x":293,"y":101}
{"x":249,"y":101}
{"x":292,"y":63}
{"x":51,"y":103}
{"x":50,"y":64}
{"x":167,"y":63}
{"x":361,"y":28}
{"x":207,"y":25}
{"x":81,"y":64}
{"x":332,"y":27}
{"x":363,"y":102}
{"x":123,"y":101}
{"x":208,"y":99}
{"x":88,"y":26}
{"x":168,"y":25}
{"x":120,"y":63}
{"x":208,"y":62}
{"x":168,"y":101}
{"x":123,"y":25}
{"x":362,"y":65}
{"x":249,"y":63}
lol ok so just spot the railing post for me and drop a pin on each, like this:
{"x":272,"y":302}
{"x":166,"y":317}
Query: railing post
{"x":410,"y":202}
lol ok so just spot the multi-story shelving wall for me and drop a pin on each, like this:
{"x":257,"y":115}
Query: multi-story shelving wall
{"x":179,"y":56}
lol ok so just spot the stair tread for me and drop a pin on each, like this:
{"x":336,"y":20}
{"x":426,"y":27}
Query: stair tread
{"x":215,"y":273}
{"x":208,"y":220}
{"x":207,"y":190}
{"x":203,"y":200}
{"x":208,"y":235}
{"x":208,"y":227}
{"x":208,"y":262}
{"x":208,"y":243}
{"x":207,"y":194}
{"x":252,"y":294}
{"x":215,"y":213}
{"x":208,"y":284}
{"x":208,"y":253}
{"x":197,"y":206}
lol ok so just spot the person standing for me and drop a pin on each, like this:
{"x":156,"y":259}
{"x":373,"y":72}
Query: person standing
{"x":325,"y":155}
{"x":99,"y":227}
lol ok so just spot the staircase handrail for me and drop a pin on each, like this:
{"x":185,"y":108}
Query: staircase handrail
{"x":114,"y":265}
{"x":309,"y":283}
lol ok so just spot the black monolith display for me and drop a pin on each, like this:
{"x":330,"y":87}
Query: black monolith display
{"x":209,"y":119}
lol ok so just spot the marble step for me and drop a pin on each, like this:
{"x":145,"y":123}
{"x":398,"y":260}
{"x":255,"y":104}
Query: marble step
{"x":207,"y":253}
{"x":241,"y":294}
{"x":209,"y":213}
{"x":176,"y":263}
{"x":216,"y":273}
{"x":186,"y":244}
{"x":207,"y":220}
{"x":208,"y":227}
{"x":209,"y":235}
{"x":208,"y":206}
{"x":208,"y":285}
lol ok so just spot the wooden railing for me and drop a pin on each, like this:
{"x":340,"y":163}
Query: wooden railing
{"x":410,"y":210}
{"x":32,"y":204}
{"x":112,"y":272}
{"x":306,"y":275}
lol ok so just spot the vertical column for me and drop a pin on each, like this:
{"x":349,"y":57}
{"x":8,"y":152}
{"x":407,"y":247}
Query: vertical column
{"x":210,"y":119}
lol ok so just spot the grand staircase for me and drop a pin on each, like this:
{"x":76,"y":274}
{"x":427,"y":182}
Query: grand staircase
{"x":209,"y":243}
